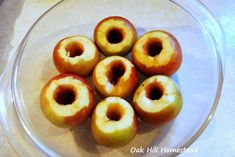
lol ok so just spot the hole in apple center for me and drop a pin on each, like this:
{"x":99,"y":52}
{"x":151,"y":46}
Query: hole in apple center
{"x":64,"y":95}
{"x":154,"y":47}
{"x":114,"y":112}
{"x":74,"y":49}
{"x":116,"y":71}
{"x":154,"y":91}
{"x":115,"y":36}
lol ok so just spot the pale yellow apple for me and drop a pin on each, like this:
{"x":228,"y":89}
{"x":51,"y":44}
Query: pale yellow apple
{"x":115,"y":76}
{"x":67,"y":100}
{"x":158,"y":100}
{"x":113,"y":122}
{"x":115,"y":35}
{"x":76,"y":55}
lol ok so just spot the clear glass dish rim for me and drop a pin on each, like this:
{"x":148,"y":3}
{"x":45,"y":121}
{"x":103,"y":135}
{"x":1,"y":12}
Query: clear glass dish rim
{"x":216,"y":37}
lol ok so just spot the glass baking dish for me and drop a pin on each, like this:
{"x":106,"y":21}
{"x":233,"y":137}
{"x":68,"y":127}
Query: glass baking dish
{"x":200,"y":77}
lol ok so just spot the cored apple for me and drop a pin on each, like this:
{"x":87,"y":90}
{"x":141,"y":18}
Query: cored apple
{"x":158,"y":100}
{"x":113,"y":122}
{"x":115,"y":35}
{"x":67,"y":100}
{"x":157,"y":53}
{"x":115,"y":76}
{"x":76,"y":55}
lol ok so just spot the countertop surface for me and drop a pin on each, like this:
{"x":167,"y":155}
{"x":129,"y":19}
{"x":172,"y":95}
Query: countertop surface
{"x":16,"y":17}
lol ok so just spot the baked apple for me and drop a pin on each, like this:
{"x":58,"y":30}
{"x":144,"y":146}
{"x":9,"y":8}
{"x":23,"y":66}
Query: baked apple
{"x":157,"y":53}
{"x":157,"y":100}
{"x":115,"y":76}
{"x":74,"y":54}
{"x":113,"y":122}
{"x":115,"y":35}
{"x":67,"y":100}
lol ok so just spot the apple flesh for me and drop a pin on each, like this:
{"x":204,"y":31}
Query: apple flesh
{"x":158,"y":100}
{"x":67,"y":100}
{"x":115,"y":76}
{"x":74,"y":54}
{"x":114,"y":122}
{"x":157,"y":53}
{"x":115,"y":36}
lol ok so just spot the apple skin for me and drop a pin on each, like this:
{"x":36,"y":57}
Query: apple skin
{"x":127,"y":29}
{"x":154,"y":65}
{"x":54,"y":111}
{"x":77,"y":64}
{"x":125,"y":84}
{"x":161,"y":110}
{"x":112,"y":133}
